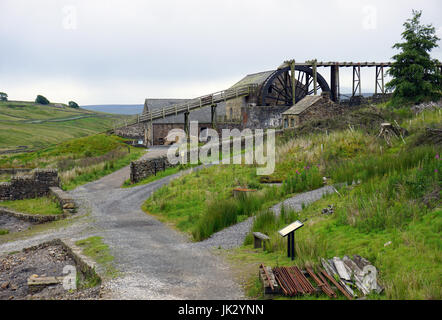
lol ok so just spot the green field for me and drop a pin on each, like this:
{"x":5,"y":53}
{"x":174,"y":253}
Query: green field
{"x":80,"y":160}
{"x":37,"y":126}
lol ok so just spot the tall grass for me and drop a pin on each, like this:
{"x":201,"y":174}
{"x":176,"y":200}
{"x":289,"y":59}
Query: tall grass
{"x":395,"y":200}
{"x":224,"y":213}
{"x":368,"y":166}
{"x":307,"y":179}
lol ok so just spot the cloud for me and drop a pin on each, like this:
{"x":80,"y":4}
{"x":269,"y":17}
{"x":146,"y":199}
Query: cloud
{"x":175,"y":48}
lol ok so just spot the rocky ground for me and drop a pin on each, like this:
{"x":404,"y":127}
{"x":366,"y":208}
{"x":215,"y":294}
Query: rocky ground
{"x":13,"y":224}
{"x":43,"y":261}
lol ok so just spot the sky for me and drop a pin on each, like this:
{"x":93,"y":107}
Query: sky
{"x":121,"y":52}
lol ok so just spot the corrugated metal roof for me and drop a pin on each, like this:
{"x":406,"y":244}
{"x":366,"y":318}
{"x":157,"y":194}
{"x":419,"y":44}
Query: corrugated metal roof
{"x":255,"y":78}
{"x":303,"y":105}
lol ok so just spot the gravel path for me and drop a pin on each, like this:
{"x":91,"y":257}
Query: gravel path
{"x":156,"y":261}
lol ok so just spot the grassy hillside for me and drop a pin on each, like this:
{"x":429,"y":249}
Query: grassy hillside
{"x":78,"y":160}
{"x":37,"y":126}
{"x":395,"y":197}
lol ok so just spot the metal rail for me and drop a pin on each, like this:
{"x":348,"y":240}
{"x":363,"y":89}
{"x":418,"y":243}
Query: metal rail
{"x":198,"y":103}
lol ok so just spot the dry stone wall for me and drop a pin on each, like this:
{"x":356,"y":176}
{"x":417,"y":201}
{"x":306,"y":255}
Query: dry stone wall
{"x":142,"y":169}
{"x":36,"y":184}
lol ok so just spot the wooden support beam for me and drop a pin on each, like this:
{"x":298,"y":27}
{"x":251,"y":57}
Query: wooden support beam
{"x":186,"y":124}
{"x":213,"y":116}
{"x":315,"y":76}
{"x":334,"y":82}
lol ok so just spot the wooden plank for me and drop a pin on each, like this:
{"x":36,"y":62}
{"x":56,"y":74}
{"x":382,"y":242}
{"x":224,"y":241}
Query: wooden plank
{"x":319,"y":282}
{"x":337,"y":285}
{"x":261,"y":236}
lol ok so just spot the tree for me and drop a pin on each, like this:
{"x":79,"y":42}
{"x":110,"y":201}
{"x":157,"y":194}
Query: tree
{"x":3,"y":96}
{"x":73,"y":104}
{"x":41,"y":100}
{"x":416,"y":77}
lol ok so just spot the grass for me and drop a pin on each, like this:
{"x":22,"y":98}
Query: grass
{"x":79,"y":161}
{"x":199,"y":203}
{"x":397,"y":200}
{"x":38,"y":206}
{"x":396,"y":197}
{"x":3,"y":232}
{"x":5,"y":178}
{"x":38,"y":126}
{"x":95,"y":248}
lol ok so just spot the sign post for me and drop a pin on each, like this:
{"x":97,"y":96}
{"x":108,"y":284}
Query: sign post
{"x":289,"y":232}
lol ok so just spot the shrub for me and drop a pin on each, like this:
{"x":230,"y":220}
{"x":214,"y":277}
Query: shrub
{"x":73,"y":104}
{"x":41,"y":100}
{"x":3,"y":96}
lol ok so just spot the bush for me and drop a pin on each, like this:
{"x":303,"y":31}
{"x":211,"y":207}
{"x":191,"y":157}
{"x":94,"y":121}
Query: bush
{"x":41,"y":100}
{"x":74,"y":105}
{"x":3,"y":96}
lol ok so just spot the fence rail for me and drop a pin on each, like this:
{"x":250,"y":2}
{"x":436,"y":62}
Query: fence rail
{"x":197,"y":103}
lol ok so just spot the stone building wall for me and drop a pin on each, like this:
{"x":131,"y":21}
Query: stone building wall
{"x":262,"y":117}
{"x":135,"y":131}
{"x":233,"y":108}
{"x":34,"y":185}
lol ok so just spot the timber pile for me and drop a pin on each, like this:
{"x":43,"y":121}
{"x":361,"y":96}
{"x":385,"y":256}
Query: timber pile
{"x":348,"y":276}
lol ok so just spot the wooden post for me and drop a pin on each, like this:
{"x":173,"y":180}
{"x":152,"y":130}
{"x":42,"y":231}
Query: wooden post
{"x":186,"y":124}
{"x":293,"y":246}
{"x":288,"y":245}
{"x":315,"y":76}
{"x":382,"y":75}
{"x":292,"y":66}
{"x":334,"y":82}
{"x":214,"y":116}
{"x":354,"y":79}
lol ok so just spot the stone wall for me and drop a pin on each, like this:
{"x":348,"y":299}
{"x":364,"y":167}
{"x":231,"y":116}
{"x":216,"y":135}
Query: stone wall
{"x":361,"y":100}
{"x":32,"y":218}
{"x":142,"y":169}
{"x":12,"y":171}
{"x":33,"y":185}
{"x":64,"y":200}
{"x":262,"y":117}
{"x":135,"y":131}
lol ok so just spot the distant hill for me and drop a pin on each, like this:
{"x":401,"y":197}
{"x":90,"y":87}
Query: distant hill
{"x":30,"y":125}
{"x":128,"y":109}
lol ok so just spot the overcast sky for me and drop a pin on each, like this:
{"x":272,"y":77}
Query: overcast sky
{"x":113,"y":51}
